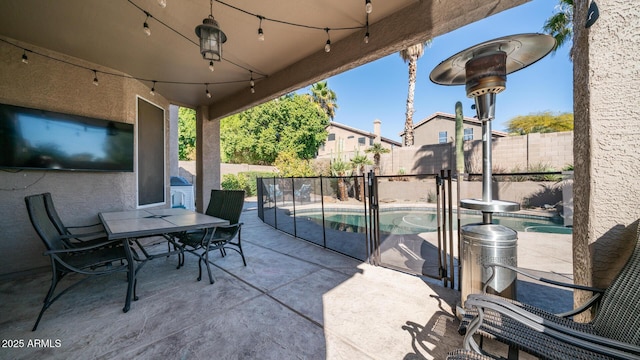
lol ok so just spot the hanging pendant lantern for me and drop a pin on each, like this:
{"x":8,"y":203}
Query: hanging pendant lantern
{"x":211,"y":38}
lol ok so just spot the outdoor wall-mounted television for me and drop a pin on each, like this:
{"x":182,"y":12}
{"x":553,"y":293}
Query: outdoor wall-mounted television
{"x":37,"y":139}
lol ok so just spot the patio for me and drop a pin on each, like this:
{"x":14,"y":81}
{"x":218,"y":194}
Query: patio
{"x":293,"y":300}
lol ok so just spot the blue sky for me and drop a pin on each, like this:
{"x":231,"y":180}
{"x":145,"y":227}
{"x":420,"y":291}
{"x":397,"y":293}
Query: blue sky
{"x":378,"y":90}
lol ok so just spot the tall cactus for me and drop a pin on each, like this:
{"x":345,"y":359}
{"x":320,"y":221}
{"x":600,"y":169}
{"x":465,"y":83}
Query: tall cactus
{"x":459,"y":137}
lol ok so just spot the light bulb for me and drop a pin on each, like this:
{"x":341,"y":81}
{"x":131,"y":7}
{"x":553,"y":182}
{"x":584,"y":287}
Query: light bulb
{"x":366,"y":38}
{"x":260,"y":34}
{"x":211,"y":65}
{"x":252,"y":83}
{"x":95,"y":78}
{"x":153,"y":89}
{"x":25,"y":59}
{"x":368,"y":7}
{"x":162,"y":3}
{"x":327,"y":46}
{"x":146,"y":29}
{"x":208,"y":93}
{"x":253,"y":90}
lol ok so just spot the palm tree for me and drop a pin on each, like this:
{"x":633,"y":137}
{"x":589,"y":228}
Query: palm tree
{"x":411,"y":55}
{"x":325,"y":98}
{"x":358,"y":162}
{"x":341,"y":168}
{"x":560,"y":25}
{"x":376,"y":150}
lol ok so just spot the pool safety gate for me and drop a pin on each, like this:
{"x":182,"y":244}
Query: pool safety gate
{"x":429,"y":246}
{"x":401,"y":222}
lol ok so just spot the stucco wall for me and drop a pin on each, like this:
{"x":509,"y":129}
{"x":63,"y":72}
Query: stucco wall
{"x":606,"y":146}
{"x":509,"y":154}
{"x":78,"y":196}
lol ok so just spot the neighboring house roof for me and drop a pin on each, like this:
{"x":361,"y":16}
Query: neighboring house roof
{"x":466,"y":119}
{"x":364,"y":133}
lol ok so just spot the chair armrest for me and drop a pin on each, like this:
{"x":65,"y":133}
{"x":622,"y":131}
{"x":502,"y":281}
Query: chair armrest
{"x":85,"y":226}
{"x":230,"y":225}
{"x":558,"y":331}
{"x":541,"y":279}
{"x":82,"y":249}
{"x":84,"y":235}
{"x":588,"y":304}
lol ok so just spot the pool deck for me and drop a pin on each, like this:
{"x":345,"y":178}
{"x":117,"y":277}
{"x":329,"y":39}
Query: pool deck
{"x":293,"y":300}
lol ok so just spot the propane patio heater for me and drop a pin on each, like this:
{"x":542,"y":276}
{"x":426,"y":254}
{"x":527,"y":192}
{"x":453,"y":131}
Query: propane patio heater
{"x":483,"y":69}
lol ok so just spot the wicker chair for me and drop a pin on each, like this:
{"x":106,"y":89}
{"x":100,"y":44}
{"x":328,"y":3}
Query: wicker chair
{"x":224,"y":204}
{"x":94,"y":258}
{"x":613,"y":333}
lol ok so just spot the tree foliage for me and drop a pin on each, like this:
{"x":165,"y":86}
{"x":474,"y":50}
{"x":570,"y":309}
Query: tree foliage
{"x":186,"y":134}
{"x":560,"y":24}
{"x":289,"y":164}
{"x":543,"y":122}
{"x":256,"y":136}
{"x":377,"y":150}
{"x":325,"y":98}
{"x":359,"y":161}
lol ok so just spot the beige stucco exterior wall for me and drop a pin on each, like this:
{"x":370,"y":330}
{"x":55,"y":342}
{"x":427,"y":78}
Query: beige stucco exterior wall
{"x":79,"y":196}
{"x":606,"y":146}
{"x":428,"y":133}
{"x":346,"y":144}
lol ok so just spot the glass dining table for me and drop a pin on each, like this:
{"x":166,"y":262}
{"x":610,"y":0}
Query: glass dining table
{"x":131,"y":225}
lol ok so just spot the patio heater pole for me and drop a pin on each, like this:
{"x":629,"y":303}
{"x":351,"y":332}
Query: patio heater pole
{"x":483,"y":69}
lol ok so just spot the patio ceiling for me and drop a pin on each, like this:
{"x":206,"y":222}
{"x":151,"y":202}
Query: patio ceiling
{"x":110,"y":33}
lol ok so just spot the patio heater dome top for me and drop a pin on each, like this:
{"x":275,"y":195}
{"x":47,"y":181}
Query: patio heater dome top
{"x":521,"y":50}
{"x":483,"y":68}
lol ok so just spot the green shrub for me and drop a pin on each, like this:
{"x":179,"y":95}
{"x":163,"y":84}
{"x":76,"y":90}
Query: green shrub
{"x":243,"y":181}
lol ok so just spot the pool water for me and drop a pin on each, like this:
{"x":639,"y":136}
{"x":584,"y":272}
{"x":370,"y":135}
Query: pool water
{"x":415,"y":222}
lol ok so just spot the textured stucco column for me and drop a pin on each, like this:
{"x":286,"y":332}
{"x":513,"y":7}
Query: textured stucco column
{"x":207,"y":157}
{"x":606,"y":139}
{"x":173,"y":141}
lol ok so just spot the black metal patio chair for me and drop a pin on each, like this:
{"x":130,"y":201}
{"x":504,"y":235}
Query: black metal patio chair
{"x":227,"y":205}
{"x":614,"y":331}
{"x":81,"y":235}
{"x":93,"y":258}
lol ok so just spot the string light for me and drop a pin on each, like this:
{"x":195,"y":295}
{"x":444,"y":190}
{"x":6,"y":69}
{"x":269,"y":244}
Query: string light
{"x":95,"y":78}
{"x":117,"y":74}
{"x":162,"y":3}
{"x":211,"y":68}
{"x":260,"y":32}
{"x":25,"y":58}
{"x":367,"y":6}
{"x":327,"y":46}
{"x":206,"y":91}
{"x":252,"y":83}
{"x":153,"y":89}
{"x":145,"y":26}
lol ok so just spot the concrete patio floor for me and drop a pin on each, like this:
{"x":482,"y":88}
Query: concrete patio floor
{"x":294,"y":300}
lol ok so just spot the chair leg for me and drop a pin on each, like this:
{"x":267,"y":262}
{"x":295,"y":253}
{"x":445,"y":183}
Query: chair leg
{"x":200,"y":268}
{"x":47,"y":300}
{"x":44,"y":307}
{"x":240,"y":246}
